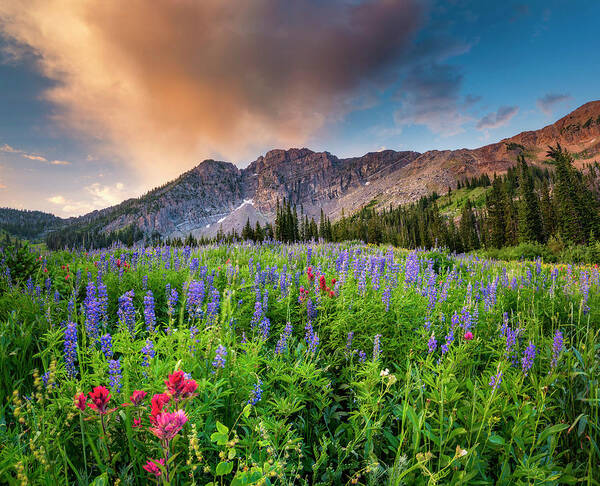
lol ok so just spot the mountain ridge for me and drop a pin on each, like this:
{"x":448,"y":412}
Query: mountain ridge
{"x":216,"y":193}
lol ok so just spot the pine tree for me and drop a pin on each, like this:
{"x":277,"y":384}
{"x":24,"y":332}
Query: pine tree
{"x":247,"y":232}
{"x":547,"y":212}
{"x":468,"y":228}
{"x":530,"y":221}
{"x":496,"y":209}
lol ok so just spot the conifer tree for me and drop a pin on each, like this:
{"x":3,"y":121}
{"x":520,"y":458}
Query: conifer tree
{"x":530,"y":221}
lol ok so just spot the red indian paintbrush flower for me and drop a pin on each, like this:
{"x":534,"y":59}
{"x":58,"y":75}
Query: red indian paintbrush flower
{"x":152,"y":466}
{"x":179,"y":387}
{"x":168,"y":424}
{"x":158,"y":403}
{"x":468,"y":335}
{"x":80,"y":401}
{"x":100,"y":398}
{"x":136,"y":398}
{"x":322,"y":282}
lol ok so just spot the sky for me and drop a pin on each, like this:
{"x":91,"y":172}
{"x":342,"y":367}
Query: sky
{"x":102,"y":100}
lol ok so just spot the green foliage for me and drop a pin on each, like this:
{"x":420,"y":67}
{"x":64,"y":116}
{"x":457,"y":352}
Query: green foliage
{"x":338,"y":413}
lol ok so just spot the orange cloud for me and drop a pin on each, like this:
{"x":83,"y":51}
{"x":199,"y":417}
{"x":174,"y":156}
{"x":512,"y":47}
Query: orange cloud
{"x":162,"y":84}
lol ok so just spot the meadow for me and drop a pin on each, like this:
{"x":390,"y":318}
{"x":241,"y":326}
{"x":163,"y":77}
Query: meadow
{"x":310,"y":364}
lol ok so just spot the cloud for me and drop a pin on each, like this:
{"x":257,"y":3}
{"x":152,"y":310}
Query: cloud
{"x":98,"y":196}
{"x":161,"y":84}
{"x":57,"y":199}
{"x":497,"y":119}
{"x":430,"y":96}
{"x":31,"y":156}
{"x":547,"y":102}
{"x":35,"y":157}
{"x":7,"y":148}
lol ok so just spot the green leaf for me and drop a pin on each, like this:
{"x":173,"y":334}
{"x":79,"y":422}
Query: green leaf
{"x":224,"y":468}
{"x":496,"y":440}
{"x":221,"y":428}
{"x":247,"y":410}
{"x":220,"y":439}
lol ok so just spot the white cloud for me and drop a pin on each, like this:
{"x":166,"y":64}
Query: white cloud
{"x":9,"y":149}
{"x":35,"y":157}
{"x":99,"y":197}
{"x":57,"y":199}
{"x":31,"y":156}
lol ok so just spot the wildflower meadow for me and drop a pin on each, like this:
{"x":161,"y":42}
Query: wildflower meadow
{"x":297,"y":364}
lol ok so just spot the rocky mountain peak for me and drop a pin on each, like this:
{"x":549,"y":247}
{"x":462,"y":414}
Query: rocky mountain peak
{"x":217,"y":193}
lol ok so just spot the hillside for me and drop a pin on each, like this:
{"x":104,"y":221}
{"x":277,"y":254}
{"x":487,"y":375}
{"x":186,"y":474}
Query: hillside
{"x":217,"y":194}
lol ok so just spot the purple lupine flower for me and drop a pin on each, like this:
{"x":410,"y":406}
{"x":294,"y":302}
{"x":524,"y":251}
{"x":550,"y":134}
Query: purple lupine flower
{"x":362,"y":356}
{"x":466,"y":319}
{"x":349,"y":343}
{"x":362,"y":281}
{"x":431,"y":344}
{"x":71,"y":349}
{"x":264,"y":328}
{"x":212,"y":308}
{"x":285,"y":335}
{"x":265,"y":301}
{"x":148,"y":352}
{"x":311,"y":338}
{"x":311,"y":311}
{"x":149,"y":315}
{"x":495,"y":380}
{"x":411,"y":268}
{"x":528,"y":357}
{"x":92,"y":312}
{"x":127,"y":311}
{"x":449,"y":340}
{"x":257,"y":314}
{"x":45,"y":378}
{"x":385,"y":298}
{"x":256,"y":393}
{"x":194,"y":264}
{"x":431,"y":291}
{"x":220,"y":354}
{"x":70,"y":308}
{"x":172,"y":297}
{"x":145,"y":282}
{"x":376,"y":347}
{"x":114,"y":372}
{"x":454,"y":320}
{"x":102,"y":296}
{"x":195,"y":298}
{"x":106,"y":346}
{"x":557,"y":347}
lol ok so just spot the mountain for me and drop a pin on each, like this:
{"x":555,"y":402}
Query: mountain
{"x":28,"y":225}
{"x":217,"y":194}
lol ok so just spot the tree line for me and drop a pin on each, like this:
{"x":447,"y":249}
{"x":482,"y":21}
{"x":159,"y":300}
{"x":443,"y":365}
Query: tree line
{"x":528,"y":204}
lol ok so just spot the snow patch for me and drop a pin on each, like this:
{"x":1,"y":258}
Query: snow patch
{"x":367,"y":183}
{"x":246,"y":201}
{"x":208,"y":225}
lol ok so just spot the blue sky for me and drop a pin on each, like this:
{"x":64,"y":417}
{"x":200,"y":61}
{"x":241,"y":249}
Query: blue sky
{"x":90,"y":116}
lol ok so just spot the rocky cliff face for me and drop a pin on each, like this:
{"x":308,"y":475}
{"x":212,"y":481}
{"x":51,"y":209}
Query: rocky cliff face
{"x":217,"y":194}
